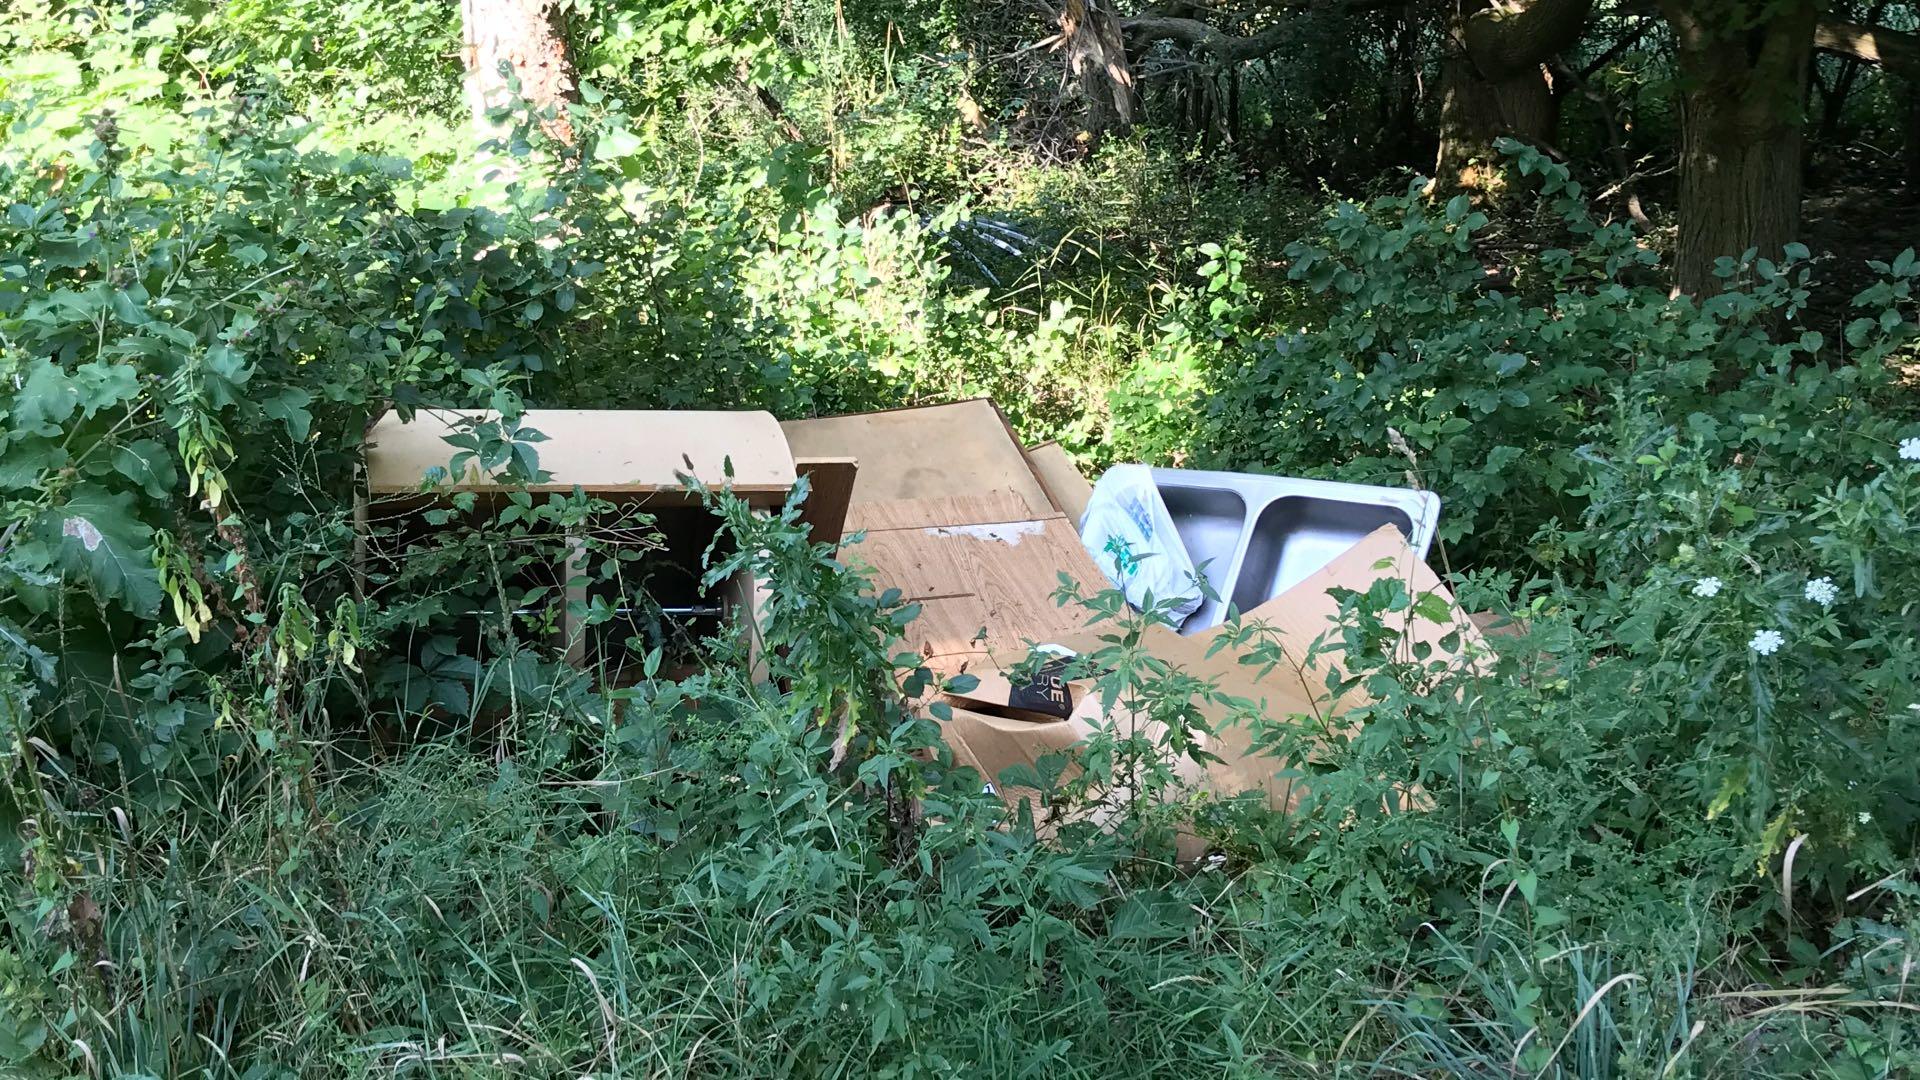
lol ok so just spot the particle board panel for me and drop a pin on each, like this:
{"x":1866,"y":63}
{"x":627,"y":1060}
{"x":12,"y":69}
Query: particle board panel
{"x":948,"y":626}
{"x":918,"y":452}
{"x":957,"y":633}
{"x":599,"y":450}
{"x":998,"y":577}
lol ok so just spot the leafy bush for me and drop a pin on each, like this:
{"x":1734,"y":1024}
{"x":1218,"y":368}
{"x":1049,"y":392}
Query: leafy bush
{"x":1484,"y":373}
{"x":285,"y":810}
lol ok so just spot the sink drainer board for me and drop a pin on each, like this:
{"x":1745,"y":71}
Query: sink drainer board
{"x":1255,"y":537}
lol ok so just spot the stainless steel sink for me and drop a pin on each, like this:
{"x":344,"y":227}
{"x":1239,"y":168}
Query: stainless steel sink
{"x":1209,"y":521}
{"x":1258,"y":536}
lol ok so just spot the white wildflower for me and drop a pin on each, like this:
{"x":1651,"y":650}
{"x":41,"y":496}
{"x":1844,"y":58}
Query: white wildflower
{"x":1767,"y":642}
{"x":1910,"y":449}
{"x":1707,"y":587}
{"x":1823,"y":591}
{"x":1865,"y":818}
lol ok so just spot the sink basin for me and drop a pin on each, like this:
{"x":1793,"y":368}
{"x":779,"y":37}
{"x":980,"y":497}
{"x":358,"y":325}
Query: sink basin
{"x":1258,"y":536}
{"x":1296,"y":535}
{"x":1209,"y":521}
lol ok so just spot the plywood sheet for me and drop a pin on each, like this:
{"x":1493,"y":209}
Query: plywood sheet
{"x":1061,"y":478}
{"x":964,"y":448}
{"x":602,"y":451}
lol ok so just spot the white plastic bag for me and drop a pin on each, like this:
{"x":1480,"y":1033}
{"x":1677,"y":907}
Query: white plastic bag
{"x":1131,"y":537}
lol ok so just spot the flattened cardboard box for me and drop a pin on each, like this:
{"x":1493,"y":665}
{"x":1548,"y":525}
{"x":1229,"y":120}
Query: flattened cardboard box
{"x":1297,"y":618}
{"x":962,"y":449}
{"x":990,"y":738}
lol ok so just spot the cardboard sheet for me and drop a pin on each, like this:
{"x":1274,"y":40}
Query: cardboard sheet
{"x":989,"y":735}
{"x":990,"y":743}
{"x":1297,"y":617}
{"x":601,"y":450}
{"x":964,"y":448}
{"x":985,"y":588}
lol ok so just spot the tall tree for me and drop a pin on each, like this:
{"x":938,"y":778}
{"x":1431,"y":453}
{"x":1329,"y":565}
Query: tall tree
{"x":1097,"y":56}
{"x":1494,"y":83}
{"x":1744,"y":70}
{"x":1743,"y":75}
{"x":1494,"y":79}
{"x":523,"y":37}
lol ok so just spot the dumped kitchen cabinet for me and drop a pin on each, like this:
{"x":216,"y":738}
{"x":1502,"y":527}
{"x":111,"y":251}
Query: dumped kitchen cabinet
{"x":633,"y":459}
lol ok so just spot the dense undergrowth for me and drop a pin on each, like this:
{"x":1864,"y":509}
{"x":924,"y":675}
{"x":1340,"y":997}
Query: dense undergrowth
{"x":280,"y":810}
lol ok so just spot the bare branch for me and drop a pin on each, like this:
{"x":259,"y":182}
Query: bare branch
{"x":1199,"y":36}
{"x":1614,"y":51}
{"x":1616,"y":141}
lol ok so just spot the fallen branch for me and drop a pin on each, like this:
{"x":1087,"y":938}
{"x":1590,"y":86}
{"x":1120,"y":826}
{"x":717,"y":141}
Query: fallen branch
{"x":1894,"y":50}
{"x":1200,"y":36}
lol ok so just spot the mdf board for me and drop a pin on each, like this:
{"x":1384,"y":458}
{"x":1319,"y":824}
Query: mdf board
{"x":604,"y":451}
{"x":962,"y":448}
{"x":937,"y":512}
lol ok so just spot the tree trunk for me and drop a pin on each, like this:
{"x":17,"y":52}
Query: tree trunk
{"x":1741,"y":114}
{"x":522,"y":35}
{"x":1474,"y":111}
{"x":1097,"y":55}
{"x":1833,"y":100}
{"x":1493,"y":82}
{"x":1895,"y":50}
{"x":1236,"y":133}
{"x":1400,"y":110}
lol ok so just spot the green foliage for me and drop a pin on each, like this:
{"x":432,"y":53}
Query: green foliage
{"x":291,"y":799}
{"x":1485,"y":376}
{"x":199,"y":315}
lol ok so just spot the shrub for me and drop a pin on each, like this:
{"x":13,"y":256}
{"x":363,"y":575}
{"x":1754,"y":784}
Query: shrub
{"x":278,"y":817}
{"x":1483,"y":372}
